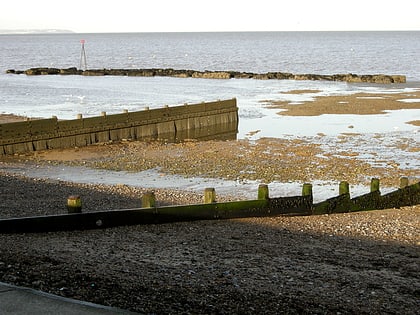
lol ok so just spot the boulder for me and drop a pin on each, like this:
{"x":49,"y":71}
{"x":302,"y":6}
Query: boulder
{"x":94,"y":72}
{"x":211,"y":75}
{"x":70,"y":71}
{"x":399,"y":78}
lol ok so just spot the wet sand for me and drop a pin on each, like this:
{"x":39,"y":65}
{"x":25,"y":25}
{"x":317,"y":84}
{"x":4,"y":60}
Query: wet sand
{"x":356,"y":104}
{"x":9,"y":118}
{"x":266,"y":159}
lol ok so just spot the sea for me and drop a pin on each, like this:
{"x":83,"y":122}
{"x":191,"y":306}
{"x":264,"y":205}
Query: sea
{"x":359,"y":53}
{"x":258,"y":52}
{"x":295,"y":52}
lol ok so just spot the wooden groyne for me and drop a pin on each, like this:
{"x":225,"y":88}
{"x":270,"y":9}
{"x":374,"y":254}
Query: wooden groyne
{"x":263,"y":206}
{"x":210,"y":120}
{"x":349,"y":77}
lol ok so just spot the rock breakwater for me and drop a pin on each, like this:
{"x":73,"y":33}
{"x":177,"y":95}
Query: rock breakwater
{"x":169,"y":72}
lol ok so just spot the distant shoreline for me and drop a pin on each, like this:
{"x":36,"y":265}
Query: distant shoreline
{"x":64,"y":31}
{"x":35,"y":31}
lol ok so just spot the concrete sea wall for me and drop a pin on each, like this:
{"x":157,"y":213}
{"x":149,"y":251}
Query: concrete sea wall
{"x":213,"y":120}
{"x":349,"y":77}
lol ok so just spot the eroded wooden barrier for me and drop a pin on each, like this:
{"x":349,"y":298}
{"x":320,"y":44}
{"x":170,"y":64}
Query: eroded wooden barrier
{"x":406,"y":195}
{"x":211,"y":120}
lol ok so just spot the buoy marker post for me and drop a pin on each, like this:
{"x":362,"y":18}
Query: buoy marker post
{"x":83,"y":61}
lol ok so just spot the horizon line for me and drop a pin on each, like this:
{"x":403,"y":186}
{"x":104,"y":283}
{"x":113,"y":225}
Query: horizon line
{"x":30,"y":31}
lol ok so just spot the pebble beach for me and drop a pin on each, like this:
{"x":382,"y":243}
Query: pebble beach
{"x":364,"y":263}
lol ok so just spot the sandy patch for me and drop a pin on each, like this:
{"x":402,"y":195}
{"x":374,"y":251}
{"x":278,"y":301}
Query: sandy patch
{"x":358,"y":104}
{"x":8,"y":118}
{"x":414,"y":122}
{"x":301,"y":91}
{"x":73,"y":154}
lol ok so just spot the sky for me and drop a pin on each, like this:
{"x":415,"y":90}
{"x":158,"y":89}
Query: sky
{"x":88,"y":16}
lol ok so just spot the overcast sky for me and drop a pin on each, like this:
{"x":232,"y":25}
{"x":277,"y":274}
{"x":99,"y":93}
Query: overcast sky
{"x":210,"y":15}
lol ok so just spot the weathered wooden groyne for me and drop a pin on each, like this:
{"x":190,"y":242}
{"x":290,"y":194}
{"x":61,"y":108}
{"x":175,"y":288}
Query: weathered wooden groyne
{"x":263,"y":206}
{"x":349,"y":77}
{"x":213,"y":120}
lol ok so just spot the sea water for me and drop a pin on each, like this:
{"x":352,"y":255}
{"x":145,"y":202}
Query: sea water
{"x":295,"y":52}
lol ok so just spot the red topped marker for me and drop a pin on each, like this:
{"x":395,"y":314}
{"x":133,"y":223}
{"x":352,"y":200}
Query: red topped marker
{"x":83,"y":62}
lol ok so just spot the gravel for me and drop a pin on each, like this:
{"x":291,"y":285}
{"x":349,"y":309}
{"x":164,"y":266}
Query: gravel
{"x":265,"y":160}
{"x":356,"y":263}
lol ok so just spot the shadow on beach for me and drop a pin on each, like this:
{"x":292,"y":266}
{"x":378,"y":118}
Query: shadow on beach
{"x":347,"y":263}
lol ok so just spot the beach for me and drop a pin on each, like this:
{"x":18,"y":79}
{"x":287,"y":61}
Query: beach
{"x":351,"y":156}
{"x":364,"y":263}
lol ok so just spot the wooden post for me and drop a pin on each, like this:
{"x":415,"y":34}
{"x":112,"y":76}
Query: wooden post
{"x":209,"y":195}
{"x":343,"y":188}
{"x":74,"y":204}
{"x":263,"y":193}
{"x":307,"y":189}
{"x":148,"y":200}
{"x":403,"y":182}
{"x":374,"y":185}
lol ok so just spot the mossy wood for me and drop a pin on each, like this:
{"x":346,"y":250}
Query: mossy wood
{"x":211,"y":210}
